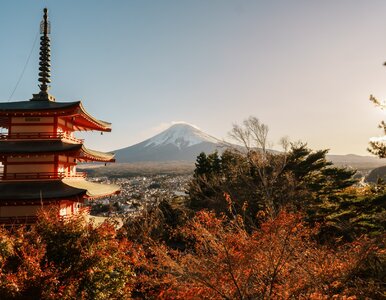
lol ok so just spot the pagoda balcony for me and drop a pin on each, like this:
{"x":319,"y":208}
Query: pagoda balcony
{"x":41,"y":176}
{"x":39,"y":136}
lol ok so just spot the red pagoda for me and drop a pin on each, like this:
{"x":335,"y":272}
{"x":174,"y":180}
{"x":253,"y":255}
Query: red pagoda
{"x":39,"y":152}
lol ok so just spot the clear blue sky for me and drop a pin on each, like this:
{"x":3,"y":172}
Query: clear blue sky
{"x":305,"y":68}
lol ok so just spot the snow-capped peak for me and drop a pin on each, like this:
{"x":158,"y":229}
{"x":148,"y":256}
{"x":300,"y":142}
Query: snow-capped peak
{"x":182,"y":135}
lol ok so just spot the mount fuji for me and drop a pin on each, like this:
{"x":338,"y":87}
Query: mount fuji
{"x":180,"y":142}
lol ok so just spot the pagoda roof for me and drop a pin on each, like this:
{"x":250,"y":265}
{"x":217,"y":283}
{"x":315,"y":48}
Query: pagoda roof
{"x":36,"y":190}
{"x":34,"y":105}
{"x":15,"y":148}
{"x":88,"y":121}
{"x":70,"y":189}
{"x":81,"y":119}
{"x":93,"y":189}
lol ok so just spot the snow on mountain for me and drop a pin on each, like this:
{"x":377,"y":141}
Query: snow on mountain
{"x":181,"y":135}
{"x":181,"y":141}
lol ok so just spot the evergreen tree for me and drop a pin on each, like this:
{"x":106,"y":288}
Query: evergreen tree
{"x":214,"y":162}
{"x":314,"y":172}
{"x":202,"y":165}
{"x":300,"y":179}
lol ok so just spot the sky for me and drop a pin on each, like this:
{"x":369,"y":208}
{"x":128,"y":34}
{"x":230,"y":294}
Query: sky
{"x":305,"y":68}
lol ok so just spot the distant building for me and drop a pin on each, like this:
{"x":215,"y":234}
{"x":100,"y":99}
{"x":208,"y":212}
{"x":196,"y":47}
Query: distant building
{"x":40,"y":153}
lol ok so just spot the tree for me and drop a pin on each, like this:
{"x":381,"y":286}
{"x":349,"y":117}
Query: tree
{"x":356,"y":212}
{"x":249,"y":173}
{"x":281,"y":260}
{"x":202,"y":165}
{"x":252,"y":134}
{"x":66,"y":259}
{"x":297,"y":179}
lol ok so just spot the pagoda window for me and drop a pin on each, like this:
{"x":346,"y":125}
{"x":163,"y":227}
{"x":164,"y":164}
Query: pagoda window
{"x":63,"y":158}
{"x":66,"y":123}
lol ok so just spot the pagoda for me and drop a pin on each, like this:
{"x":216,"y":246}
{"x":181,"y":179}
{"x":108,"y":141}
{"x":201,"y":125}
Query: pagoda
{"x":39,"y":151}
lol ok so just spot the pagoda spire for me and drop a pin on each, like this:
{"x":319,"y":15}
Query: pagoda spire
{"x":44,"y":59}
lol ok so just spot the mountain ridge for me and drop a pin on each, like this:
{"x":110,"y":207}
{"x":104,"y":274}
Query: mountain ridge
{"x":180,"y":141}
{"x":183,"y":142}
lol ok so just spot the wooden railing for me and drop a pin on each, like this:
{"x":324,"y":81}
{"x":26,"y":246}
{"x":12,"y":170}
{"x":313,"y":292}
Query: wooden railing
{"x":41,"y":175}
{"x":23,"y":220}
{"x":38,"y":136}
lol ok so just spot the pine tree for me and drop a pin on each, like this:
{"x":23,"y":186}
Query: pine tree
{"x":202,"y":165}
{"x":316,"y":173}
{"x":300,"y":179}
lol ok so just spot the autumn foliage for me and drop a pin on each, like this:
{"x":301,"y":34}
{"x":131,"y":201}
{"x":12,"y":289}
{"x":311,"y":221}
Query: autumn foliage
{"x":72,"y":259}
{"x":65,"y":259}
{"x":281,"y":260}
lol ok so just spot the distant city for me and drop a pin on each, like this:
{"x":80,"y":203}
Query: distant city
{"x":138,"y":192}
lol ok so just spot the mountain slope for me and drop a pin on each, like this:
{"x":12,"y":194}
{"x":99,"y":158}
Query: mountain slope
{"x":376,"y":174}
{"x":183,"y":142}
{"x":179,"y":142}
{"x":357,"y":161}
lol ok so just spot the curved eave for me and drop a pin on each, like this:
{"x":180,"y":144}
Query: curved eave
{"x":82,"y":119}
{"x":85,"y":121}
{"x":25,"y":148}
{"x":12,"y":193}
{"x":35,"y":192}
{"x":35,"y":108}
{"x":93,"y":155}
{"x":26,"y":107}
{"x":93,"y":190}
{"x":15,"y":148}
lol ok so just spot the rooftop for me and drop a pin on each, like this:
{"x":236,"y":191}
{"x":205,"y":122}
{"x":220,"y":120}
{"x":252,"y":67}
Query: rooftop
{"x":54,"y":190}
{"x":15,"y":148}
{"x":81,"y":119}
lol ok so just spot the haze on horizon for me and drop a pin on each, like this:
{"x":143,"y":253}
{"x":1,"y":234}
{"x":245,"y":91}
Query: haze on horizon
{"x":304,"y":68}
